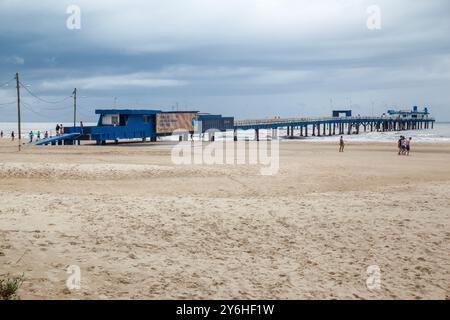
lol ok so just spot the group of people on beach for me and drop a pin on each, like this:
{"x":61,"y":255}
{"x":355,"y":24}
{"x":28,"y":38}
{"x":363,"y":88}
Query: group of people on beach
{"x":2,"y":134}
{"x":404,"y":146}
{"x":31,"y":135}
{"x":38,"y":135}
{"x":59,"y":131}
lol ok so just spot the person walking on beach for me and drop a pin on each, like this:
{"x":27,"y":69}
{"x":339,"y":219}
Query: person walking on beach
{"x":341,"y":144}
{"x":404,"y":146}
{"x":399,"y":145}
{"x":408,"y":145}
{"x":31,"y":135}
{"x":12,"y":135}
{"x":57,"y":129}
{"x":1,"y":134}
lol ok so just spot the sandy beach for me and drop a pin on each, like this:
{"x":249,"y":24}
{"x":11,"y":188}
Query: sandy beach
{"x":139,"y":226}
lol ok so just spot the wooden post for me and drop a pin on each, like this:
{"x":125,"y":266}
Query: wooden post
{"x":74,"y":107}
{"x":18,"y":111}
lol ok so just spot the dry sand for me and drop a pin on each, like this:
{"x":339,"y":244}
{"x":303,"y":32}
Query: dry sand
{"x":140,"y":227}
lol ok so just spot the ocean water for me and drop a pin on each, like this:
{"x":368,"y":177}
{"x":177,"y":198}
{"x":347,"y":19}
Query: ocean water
{"x":440,"y":133}
{"x":26,"y":127}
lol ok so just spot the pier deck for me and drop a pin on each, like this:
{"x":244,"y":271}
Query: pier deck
{"x":335,"y":125}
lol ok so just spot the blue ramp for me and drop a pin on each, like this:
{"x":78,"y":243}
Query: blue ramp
{"x":68,"y":136}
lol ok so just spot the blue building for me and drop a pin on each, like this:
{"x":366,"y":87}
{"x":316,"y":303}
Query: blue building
{"x":339,"y":113}
{"x":215,"y":122}
{"x":116,"y":124}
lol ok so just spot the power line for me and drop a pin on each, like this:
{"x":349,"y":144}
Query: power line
{"x":6,"y":83}
{"x":63,"y":108}
{"x":29,"y":108}
{"x":85,"y":114}
{"x":6,"y":103}
{"x":41,"y":99}
{"x":42,"y":107}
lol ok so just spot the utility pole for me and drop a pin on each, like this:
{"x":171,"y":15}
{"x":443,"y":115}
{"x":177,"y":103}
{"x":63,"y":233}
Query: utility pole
{"x":18,"y":110}
{"x":74,"y":107}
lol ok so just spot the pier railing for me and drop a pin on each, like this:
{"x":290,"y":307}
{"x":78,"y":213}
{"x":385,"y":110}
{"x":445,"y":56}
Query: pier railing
{"x":337,"y":119}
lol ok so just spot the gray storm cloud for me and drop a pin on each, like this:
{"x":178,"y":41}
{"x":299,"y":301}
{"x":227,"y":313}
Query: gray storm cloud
{"x":244,"y":58}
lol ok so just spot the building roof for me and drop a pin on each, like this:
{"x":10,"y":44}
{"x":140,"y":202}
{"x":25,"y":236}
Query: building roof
{"x":126,"y":111}
{"x":179,"y":111}
{"x":413,"y":111}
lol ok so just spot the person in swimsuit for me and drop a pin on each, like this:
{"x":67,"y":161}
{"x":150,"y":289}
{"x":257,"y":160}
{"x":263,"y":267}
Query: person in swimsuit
{"x":408,"y":145}
{"x":399,"y":145}
{"x":404,"y":146}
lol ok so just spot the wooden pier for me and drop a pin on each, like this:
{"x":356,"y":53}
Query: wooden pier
{"x":329,"y":126}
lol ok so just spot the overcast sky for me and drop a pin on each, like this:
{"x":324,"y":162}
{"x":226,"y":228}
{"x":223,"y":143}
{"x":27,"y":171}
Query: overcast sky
{"x":247,"y":58}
